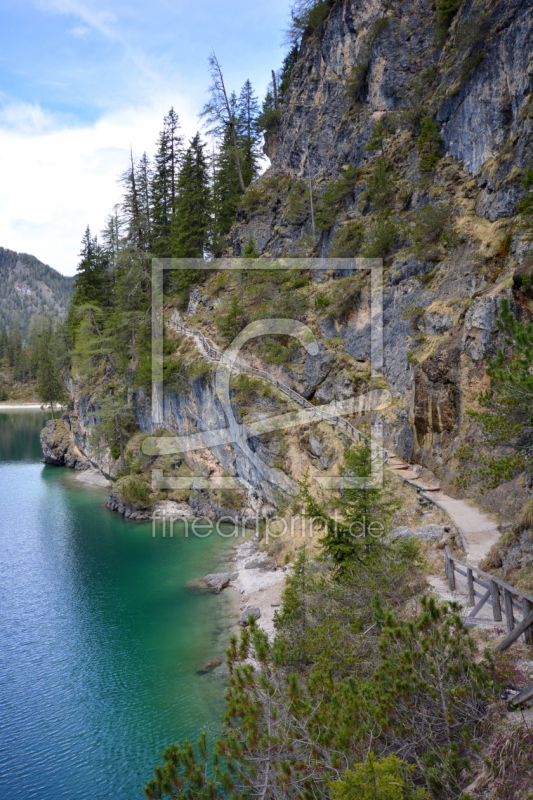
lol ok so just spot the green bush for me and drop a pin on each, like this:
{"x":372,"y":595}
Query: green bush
{"x":357,"y":83}
{"x":348,"y":240}
{"x":381,"y":184}
{"x":335,"y":193}
{"x":134,"y":489}
{"x":446,"y":11}
{"x":233,"y":320}
{"x":386,"y":778}
{"x":433,"y":226}
{"x":306,"y":17}
{"x":252,"y":199}
{"x":175,"y":375}
{"x":298,"y":203}
{"x":245,"y":387}
{"x":381,"y":239}
{"x":322,"y":301}
{"x":429,"y":145}
{"x":379,"y":133}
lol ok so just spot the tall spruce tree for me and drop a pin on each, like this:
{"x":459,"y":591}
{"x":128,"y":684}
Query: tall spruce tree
{"x":91,"y":274}
{"x":163,"y":189}
{"x":50,"y":389}
{"x":249,"y":137}
{"x":226,"y":188}
{"x":190,"y":227}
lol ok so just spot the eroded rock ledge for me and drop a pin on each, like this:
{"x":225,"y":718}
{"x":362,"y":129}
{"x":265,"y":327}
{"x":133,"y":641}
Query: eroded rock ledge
{"x":60,"y":448}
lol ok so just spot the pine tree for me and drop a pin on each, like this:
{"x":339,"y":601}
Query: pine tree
{"x":289,"y":62}
{"x":190,"y":228}
{"x":50,"y":387}
{"x":163,"y":188}
{"x":226,"y":193}
{"x":4,"y":343}
{"x":115,"y":421}
{"x":112,"y":236}
{"x":357,"y":536}
{"x":17,"y":356}
{"x":144,"y":184}
{"x":136,"y":246}
{"x":248,"y":138}
{"x":91,"y":278}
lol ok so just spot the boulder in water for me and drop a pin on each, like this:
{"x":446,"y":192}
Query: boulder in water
{"x":208,"y":666}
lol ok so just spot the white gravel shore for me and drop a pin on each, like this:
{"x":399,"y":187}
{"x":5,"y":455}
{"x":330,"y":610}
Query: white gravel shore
{"x":92,"y":477}
{"x":21,"y":407}
{"x":258,"y":588}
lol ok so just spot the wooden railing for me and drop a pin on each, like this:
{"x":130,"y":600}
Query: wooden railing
{"x":495,"y":591}
{"x":214,"y":354}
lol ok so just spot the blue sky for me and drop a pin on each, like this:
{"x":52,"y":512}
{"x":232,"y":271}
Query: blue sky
{"x":81,"y":80}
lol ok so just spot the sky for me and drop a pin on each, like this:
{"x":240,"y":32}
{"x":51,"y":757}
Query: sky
{"x":83,"y":80}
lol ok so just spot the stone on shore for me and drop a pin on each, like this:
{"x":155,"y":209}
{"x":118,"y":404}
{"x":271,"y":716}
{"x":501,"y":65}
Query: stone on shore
{"x":248,"y":612}
{"x":208,"y":666}
{"x":215,"y":582}
{"x":262,"y":562}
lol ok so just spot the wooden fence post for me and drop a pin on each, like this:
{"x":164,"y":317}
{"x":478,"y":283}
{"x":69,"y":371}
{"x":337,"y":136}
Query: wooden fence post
{"x":451,"y":574}
{"x":495,"y":598}
{"x":509,"y":615}
{"x":527,"y":608}
{"x":471,"y":594}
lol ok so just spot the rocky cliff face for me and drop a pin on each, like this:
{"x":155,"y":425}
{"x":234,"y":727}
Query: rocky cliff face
{"x":377,"y":65}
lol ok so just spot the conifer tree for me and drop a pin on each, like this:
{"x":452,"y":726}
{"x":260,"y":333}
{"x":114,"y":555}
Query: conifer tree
{"x":144,"y":184}
{"x":289,"y":62}
{"x":112,"y":236}
{"x":136,"y":250}
{"x":115,"y":421}
{"x":91,"y":278}
{"x":50,"y":389}
{"x":248,"y":138}
{"x":4,"y":343}
{"x":163,"y":188}
{"x":357,"y":536}
{"x":190,"y":228}
{"x":17,"y":356}
{"x":226,"y":193}
{"x":221,"y":113}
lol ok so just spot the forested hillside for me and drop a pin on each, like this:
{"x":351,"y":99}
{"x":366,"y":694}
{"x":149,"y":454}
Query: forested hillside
{"x":29,"y":288}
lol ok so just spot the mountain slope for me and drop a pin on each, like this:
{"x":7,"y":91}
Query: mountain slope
{"x":414,"y":130}
{"x":28,"y":287}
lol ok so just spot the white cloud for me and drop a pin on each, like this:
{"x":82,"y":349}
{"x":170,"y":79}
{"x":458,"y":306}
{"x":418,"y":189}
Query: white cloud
{"x":25,"y":118}
{"x":57,"y":181}
{"x":80,"y":31}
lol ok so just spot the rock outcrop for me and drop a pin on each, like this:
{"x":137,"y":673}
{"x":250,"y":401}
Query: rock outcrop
{"x":215,"y":582}
{"x":60,"y":448}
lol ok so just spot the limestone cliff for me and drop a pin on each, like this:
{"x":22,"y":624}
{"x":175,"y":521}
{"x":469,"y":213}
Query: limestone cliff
{"x":391,"y":121}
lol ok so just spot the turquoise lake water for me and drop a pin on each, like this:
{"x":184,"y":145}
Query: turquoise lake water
{"x":99,"y":640}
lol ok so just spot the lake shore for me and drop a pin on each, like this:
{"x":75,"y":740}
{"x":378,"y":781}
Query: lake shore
{"x":258,"y":588}
{"x":22,"y":407}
